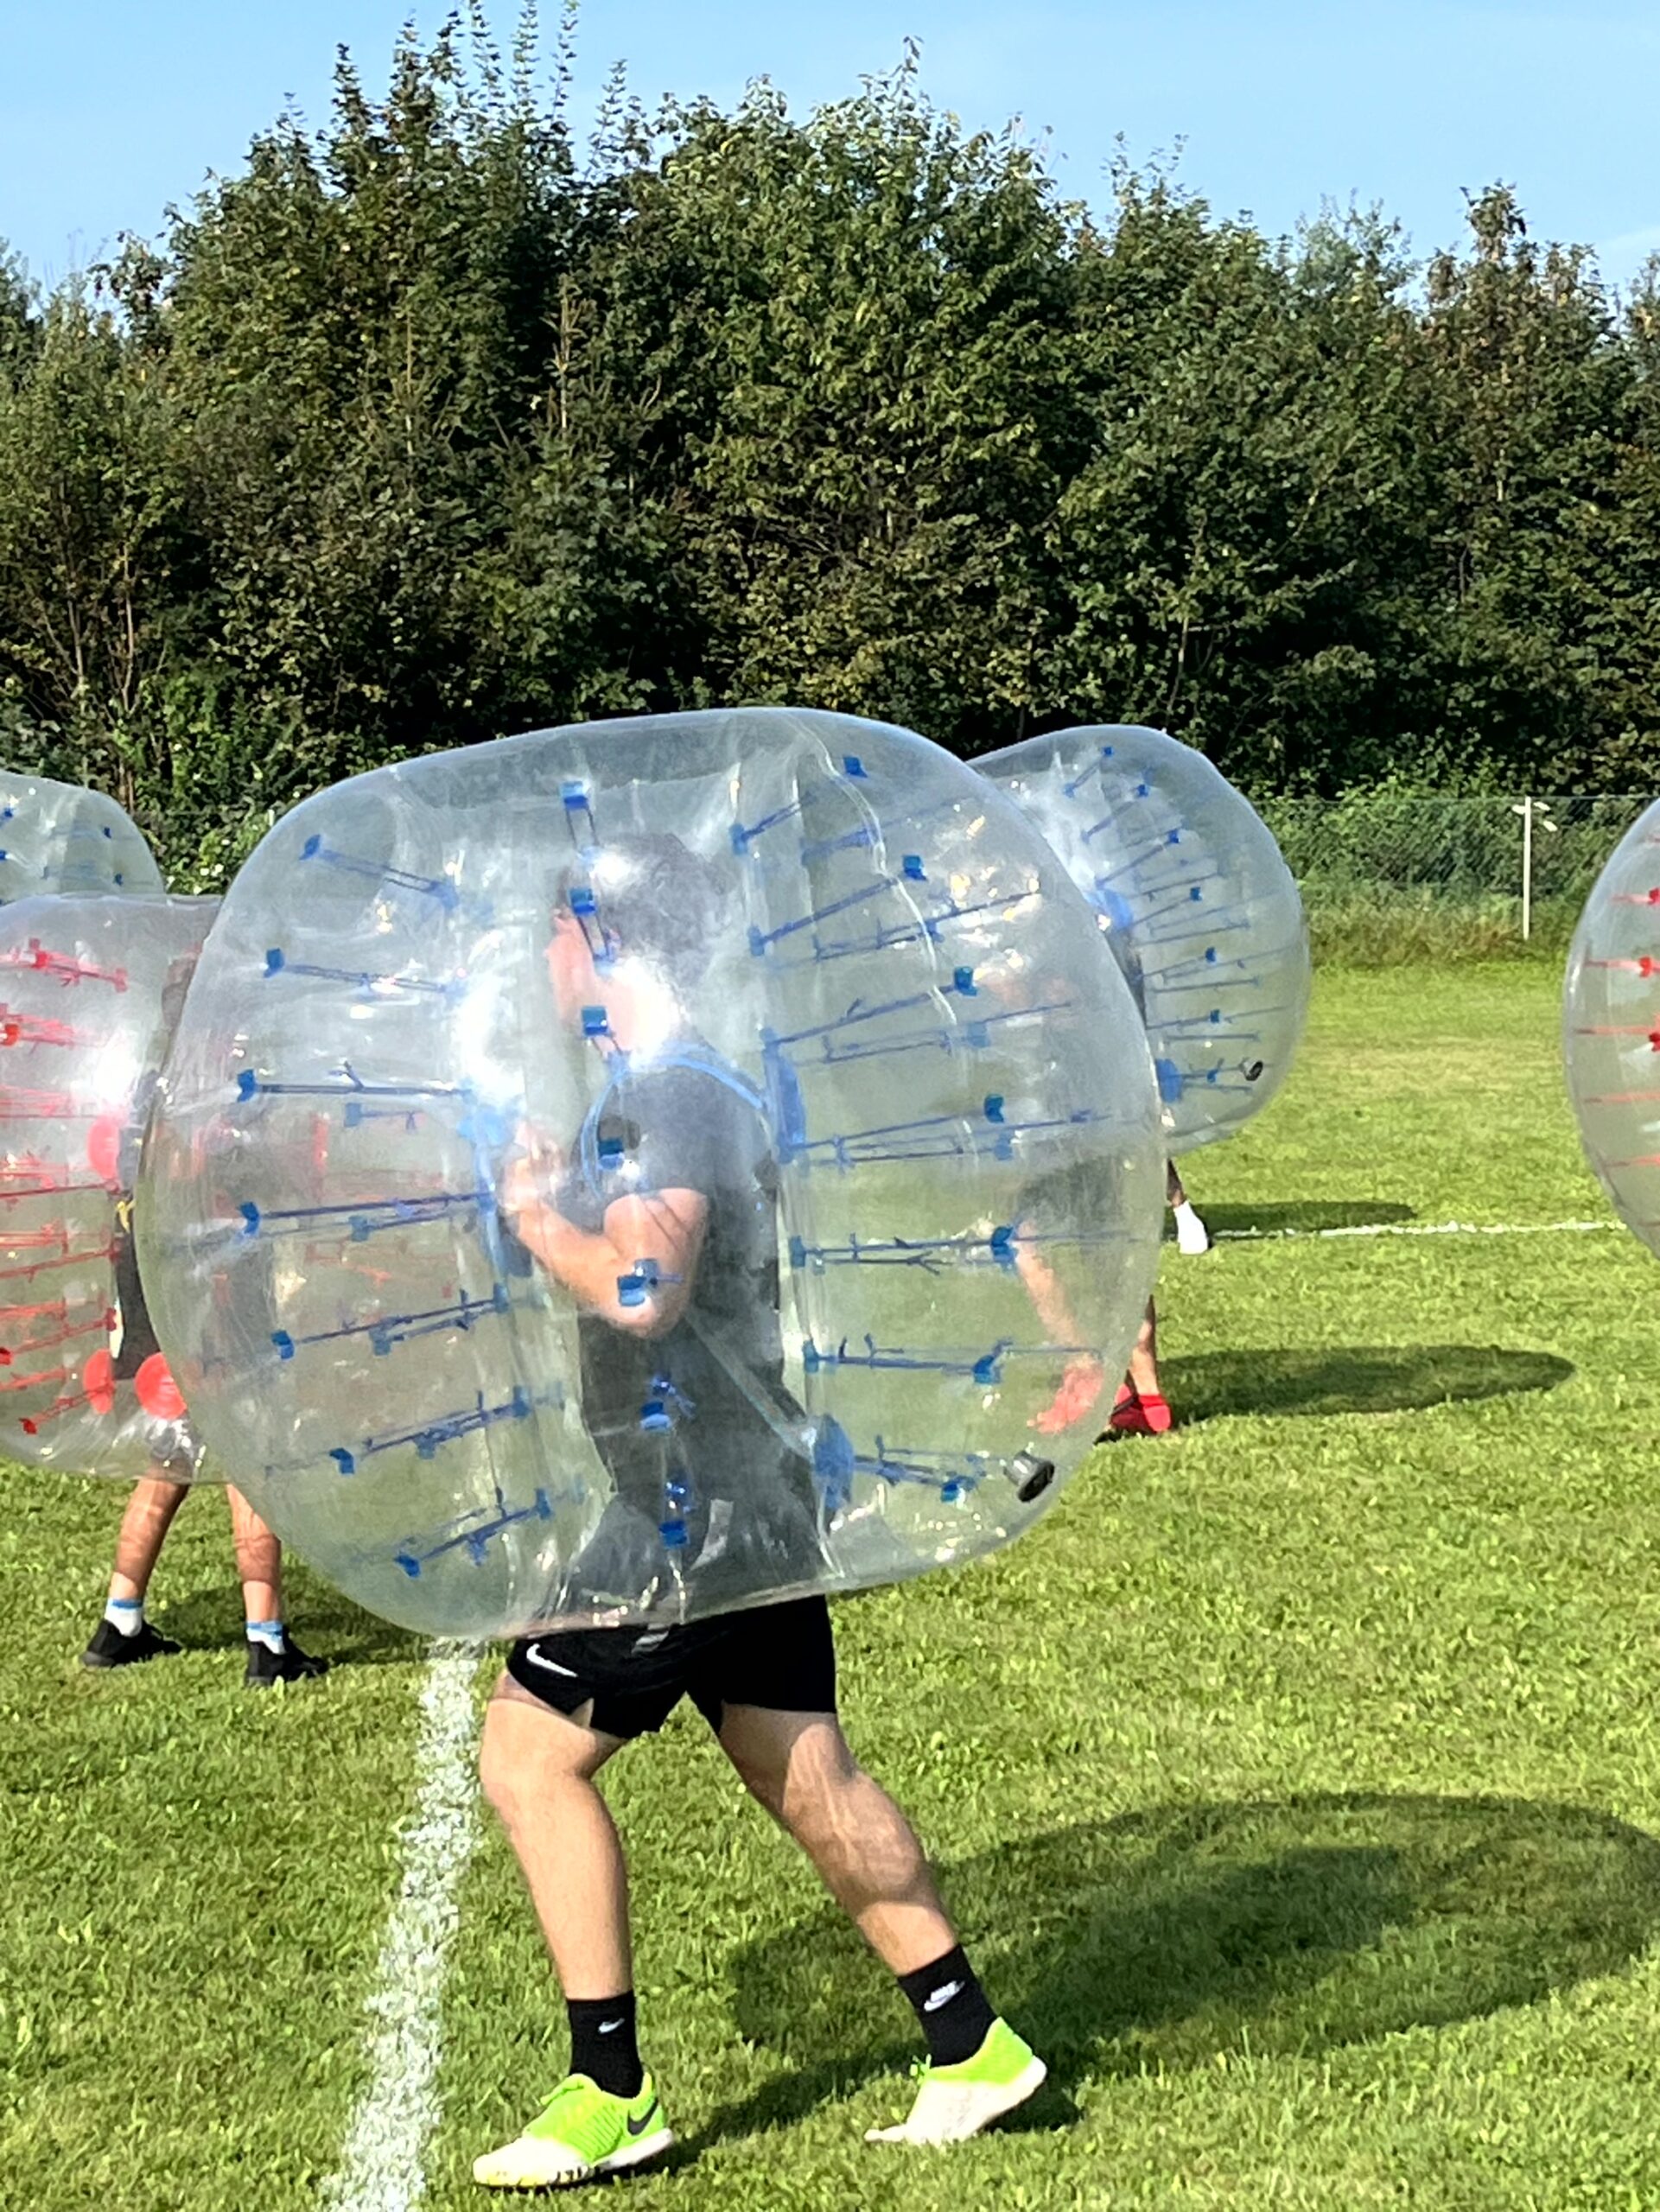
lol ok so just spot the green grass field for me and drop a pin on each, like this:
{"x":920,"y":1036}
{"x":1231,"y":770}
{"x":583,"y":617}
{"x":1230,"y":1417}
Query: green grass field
{"x":1297,"y":1782}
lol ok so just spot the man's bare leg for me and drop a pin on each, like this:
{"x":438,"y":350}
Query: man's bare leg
{"x":1144,"y":1359}
{"x":124,"y":1637}
{"x":1141,"y":1409}
{"x":273,"y":1656}
{"x":800,"y":1767}
{"x":258,"y":1561}
{"x":538,"y":1768}
{"x":150,"y":1513}
{"x":538,"y":1771}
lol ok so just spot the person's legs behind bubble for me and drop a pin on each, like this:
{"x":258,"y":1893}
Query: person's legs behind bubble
{"x":124,"y":1637}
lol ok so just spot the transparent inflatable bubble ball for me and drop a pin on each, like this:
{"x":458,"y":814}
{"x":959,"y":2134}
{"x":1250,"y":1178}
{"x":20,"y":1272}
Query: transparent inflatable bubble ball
{"x":58,"y":838}
{"x":90,"y":991}
{"x":1611,"y":1027}
{"x":1190,"y":889}
{"x":632,"y":1172}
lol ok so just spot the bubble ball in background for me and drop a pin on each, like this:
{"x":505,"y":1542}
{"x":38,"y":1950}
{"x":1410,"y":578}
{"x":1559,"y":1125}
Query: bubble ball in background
{"x":57,"y":837}
{"x":812,"y":969}
{"x":1611,"y":1027}
{"x":1194,"y":897}
{"x":90,"y":990}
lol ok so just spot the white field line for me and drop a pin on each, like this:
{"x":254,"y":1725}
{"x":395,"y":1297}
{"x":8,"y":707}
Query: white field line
{"x":383,"y":2165}
{"x":1416,"y":1229}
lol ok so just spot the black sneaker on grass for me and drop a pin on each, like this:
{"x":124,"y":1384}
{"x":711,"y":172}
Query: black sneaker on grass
{"x":291,"y":1664}
{"x":111,"y":1647}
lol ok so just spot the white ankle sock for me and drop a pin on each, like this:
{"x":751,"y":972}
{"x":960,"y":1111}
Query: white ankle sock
{"x":271,"y":1634}
{"x":126,"y":1613}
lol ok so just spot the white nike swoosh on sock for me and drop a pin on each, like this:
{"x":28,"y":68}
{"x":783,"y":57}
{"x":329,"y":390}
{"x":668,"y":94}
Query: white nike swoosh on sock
{"x":942,"y":1997}
{"x":552,"y":1665}
{"x":609,"y":2027}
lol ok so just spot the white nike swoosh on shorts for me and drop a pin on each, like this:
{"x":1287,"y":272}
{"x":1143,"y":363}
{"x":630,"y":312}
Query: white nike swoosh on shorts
{"x":552,"y":1665}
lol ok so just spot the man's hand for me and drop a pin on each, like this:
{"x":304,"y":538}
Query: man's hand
{"x":1080,"y":1386}
{"x":532,"y":1177}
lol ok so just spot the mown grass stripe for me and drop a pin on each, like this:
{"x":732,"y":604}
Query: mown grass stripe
{"x":383,"y":2164}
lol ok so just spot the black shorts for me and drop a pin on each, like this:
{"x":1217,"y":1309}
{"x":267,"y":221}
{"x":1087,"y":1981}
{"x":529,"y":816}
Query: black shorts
{"x":779,"y":1657}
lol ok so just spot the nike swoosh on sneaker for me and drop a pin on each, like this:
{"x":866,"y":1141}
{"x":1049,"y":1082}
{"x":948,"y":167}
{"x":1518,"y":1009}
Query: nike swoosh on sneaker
{"x":638,"y":2126}
{"x":552,"y":1665}
{"x":942,"y":1997}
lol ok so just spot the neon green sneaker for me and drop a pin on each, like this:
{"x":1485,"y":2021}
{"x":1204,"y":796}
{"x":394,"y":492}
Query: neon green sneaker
{"x":954,"y":2103}
{"x":581,"y":2131}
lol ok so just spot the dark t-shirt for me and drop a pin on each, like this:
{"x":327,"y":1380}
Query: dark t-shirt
{"x":687,"y":1423}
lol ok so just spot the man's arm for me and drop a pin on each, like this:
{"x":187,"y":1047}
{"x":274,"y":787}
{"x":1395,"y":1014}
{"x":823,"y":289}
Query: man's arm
{"x":636,"y":1272}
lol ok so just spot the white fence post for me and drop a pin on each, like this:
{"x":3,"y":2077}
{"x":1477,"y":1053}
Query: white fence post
{"x":1531,"y":810}
{"x":1526,"y":811}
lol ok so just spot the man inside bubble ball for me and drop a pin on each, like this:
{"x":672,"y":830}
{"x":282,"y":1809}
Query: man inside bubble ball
{"x":674,"y":1266}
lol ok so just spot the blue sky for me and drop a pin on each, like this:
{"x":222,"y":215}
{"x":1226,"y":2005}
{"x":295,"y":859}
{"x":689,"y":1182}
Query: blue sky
{"x":110,"y":108}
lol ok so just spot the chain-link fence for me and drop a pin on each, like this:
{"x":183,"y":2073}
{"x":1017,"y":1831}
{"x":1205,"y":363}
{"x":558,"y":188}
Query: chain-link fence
{"x":1394,"y":873}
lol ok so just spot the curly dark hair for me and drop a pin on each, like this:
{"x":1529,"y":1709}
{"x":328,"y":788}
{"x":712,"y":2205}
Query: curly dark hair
{"x":649,"y":896}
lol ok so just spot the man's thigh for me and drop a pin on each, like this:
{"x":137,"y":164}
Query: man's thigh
{"x":523,"y":1735}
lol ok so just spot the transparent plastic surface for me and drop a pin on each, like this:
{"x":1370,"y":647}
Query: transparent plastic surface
{"x":90,"y":990}
{"x":635,"y":1171}
{"x":57,"y":837}
{"x":1611,"y":1027}
{"x":1195,"y":899}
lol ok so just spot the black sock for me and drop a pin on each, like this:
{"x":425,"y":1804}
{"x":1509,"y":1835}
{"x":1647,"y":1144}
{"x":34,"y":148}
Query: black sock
{"x":951,"y":2006}
{"x":603,"y":2044}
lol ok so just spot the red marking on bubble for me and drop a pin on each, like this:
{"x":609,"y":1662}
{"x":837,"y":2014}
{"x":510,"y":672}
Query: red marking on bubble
{"x":28,"y":1163}
{"x":64,"y":1335}
{"x":39,"y":961}
{"x":32,"y":1382}
{"x":36,"y":1240}
{"x":158,"y":1394}
{"x":23,"y":1029}
{"x":40,"y":1106}
{"x":103,"y":1147}
{"x":69,"y":1259}
{"x":97,"y":1377}
{"x":48,"y":1190}
{"x":33,"y":1423}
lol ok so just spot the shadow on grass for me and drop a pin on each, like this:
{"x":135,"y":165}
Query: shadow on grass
{"x":1306,"y":1215}
{"x":322,"y":1620}
{"x":1161,"y":1939}
{"x":1350,"y":1378}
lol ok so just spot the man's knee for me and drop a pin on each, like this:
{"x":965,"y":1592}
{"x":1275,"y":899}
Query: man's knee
{"x":528,"y":1751}
{"x":510,"y":1756}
